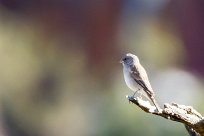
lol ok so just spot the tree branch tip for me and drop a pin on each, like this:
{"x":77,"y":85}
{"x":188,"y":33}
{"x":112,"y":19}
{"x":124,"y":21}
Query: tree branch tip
{"x":144,"y":105}
{"x":130,"y":97}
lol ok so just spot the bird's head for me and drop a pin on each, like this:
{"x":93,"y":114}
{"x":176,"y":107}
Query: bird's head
{"x":129,"y":59}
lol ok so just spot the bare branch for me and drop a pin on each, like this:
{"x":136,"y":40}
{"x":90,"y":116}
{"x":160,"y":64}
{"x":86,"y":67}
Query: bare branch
{"x":192,"y":119}
{"x":191,"y":131}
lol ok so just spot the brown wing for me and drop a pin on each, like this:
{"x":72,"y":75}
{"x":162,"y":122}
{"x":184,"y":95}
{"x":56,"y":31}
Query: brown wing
{"x":140,"y":76}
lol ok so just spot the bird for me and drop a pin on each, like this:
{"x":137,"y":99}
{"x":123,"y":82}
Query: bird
{"x":136,"y":77}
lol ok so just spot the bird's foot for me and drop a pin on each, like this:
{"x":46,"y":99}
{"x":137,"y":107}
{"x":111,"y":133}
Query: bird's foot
{"x":135,"y":93}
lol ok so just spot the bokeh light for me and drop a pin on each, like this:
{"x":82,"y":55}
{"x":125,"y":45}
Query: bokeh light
{"x":59,"y":70}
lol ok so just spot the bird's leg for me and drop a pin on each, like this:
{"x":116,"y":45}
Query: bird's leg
{"x":135,"y":93}
{"x":140,"y":95}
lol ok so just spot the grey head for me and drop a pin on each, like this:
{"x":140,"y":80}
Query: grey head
{"x":129,"y":59}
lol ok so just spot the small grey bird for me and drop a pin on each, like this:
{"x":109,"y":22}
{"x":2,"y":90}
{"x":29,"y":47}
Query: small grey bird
{"x":136,"y":77}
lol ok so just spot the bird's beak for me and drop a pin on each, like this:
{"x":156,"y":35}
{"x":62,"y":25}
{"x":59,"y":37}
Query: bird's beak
{"x":121,"y":61}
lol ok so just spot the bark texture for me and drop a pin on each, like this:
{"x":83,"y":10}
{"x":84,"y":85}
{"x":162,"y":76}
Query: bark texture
{"x":192,"y":120}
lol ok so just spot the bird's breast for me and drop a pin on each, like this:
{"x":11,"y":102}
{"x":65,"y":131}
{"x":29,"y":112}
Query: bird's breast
{"x":131,"y":83}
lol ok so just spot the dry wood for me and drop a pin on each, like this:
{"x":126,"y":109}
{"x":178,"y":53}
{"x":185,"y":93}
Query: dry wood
{"x":192,"y":120}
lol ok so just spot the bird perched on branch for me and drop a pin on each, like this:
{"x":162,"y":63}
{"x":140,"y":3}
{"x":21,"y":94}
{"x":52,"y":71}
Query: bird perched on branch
{"x":136,"y":77}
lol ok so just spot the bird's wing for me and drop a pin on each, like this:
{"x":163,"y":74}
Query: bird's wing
{"x":140,"y":76}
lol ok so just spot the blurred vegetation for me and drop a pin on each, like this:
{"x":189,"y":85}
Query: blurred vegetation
{"x":59,"y":70}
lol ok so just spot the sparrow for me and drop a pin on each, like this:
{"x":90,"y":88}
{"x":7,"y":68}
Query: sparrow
{"x":136,"y":77}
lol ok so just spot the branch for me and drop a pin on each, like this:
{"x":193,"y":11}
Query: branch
{"x":193,"y":120}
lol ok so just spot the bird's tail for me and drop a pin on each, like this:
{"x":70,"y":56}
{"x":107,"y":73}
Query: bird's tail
{"x":155,"y":103}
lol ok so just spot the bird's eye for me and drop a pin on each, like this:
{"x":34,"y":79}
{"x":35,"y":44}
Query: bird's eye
{"x":125,"y":58}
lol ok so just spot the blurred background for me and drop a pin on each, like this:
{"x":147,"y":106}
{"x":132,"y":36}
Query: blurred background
{"x":59,"y":70}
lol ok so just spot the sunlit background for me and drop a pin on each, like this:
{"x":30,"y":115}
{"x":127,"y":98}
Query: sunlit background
{"x":59,"y":70}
